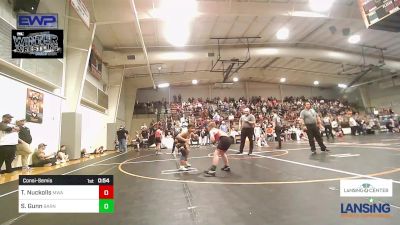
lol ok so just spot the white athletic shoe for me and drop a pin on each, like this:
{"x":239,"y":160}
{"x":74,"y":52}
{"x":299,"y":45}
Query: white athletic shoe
{"x":182,"y":168}
{"x":26,"y":168}
{"x":188,"y":165}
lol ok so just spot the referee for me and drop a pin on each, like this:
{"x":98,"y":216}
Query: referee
{"x":311,"y":122}
{"x":277,"y":123}
{"x":246,"y":124}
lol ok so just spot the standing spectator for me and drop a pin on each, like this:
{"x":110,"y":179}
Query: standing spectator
{"x":277,"y":125}
{"x":204,"y":136}
{"x":328,"y":126}
{"x":137,"y":140}
{"x":353,"y":125}
{"x":246,"y":125}
{"x":311,"y":122}
{"x":23,"y":148}
{"x":144,"y":133}
{"x":158,"y":136}
{"x":231,"y":119}
{"x":257,"y":134}
{"x":122,"y":135}
{"x":8,"y":142}
{"x":335,"y":125}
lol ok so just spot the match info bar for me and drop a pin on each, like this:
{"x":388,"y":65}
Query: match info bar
{"x":66,"y":194}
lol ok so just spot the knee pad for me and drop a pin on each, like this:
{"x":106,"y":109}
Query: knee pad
{"x":183,"y":153}
{"x":183,"y":157}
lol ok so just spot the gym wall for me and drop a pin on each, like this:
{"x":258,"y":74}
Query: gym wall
{"x":13,"y":96}
{"x":385,"y":94}
{"x":94,"y":129}
{"x":236,"y":91}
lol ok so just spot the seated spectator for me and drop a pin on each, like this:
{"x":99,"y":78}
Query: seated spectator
{"x":23,"y":148}
{"x":40,"y":159}
{"x":99,"y":150}
{"x":390,"y":124}
{"x":116,"y":145}
{"x":62,"y":155}
{"x":286,"y":134}
{"x":270,"y":133}
{"x":340,"y":132}
{"x":224,"y":127}
{"x":303,"y":136}
{"x":84,"y":153}
{"x":262,"y":141}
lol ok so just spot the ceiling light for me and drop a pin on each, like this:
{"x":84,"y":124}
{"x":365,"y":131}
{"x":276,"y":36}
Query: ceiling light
{"x":282,"y":34}
{"x":177,"y":10}
{"x":354,"y":39}
{"x":174,"y":56}
{"x":316,"y":82}
{"x":235,"y":79}
{"x":163,"y":85}
{"x":267,"y":51}
{"x":177,"y":16}
{"x":177,"y":34}
{"x":283,"y":80}
{"x":305,"y":14}
{"x":342,"y":85}
{"x":336,"y":55}
{"x":195,"y":81}
{"x":320,"y":5}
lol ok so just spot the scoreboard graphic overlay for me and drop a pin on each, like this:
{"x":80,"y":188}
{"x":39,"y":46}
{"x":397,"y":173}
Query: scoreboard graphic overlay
{"x":66,"y":194}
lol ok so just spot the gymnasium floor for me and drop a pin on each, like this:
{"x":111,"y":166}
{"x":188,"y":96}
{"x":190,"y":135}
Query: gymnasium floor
{"x":288,"y":186}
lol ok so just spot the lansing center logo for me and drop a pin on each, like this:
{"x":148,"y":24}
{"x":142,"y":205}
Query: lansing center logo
{"x":366,"y":188}
{"x":351,"y":210}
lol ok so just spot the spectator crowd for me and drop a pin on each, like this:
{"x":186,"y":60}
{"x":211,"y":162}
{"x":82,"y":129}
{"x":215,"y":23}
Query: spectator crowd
{"x":335,"y":113}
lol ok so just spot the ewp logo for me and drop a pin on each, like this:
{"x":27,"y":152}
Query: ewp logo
{"x":37,"y":21}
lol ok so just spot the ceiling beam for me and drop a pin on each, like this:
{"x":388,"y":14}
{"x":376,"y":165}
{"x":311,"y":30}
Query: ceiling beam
{"x":139,"y":31}
{"x":230,"y":29}
{"x":271,"y":62}
{"x":251,"y":9}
